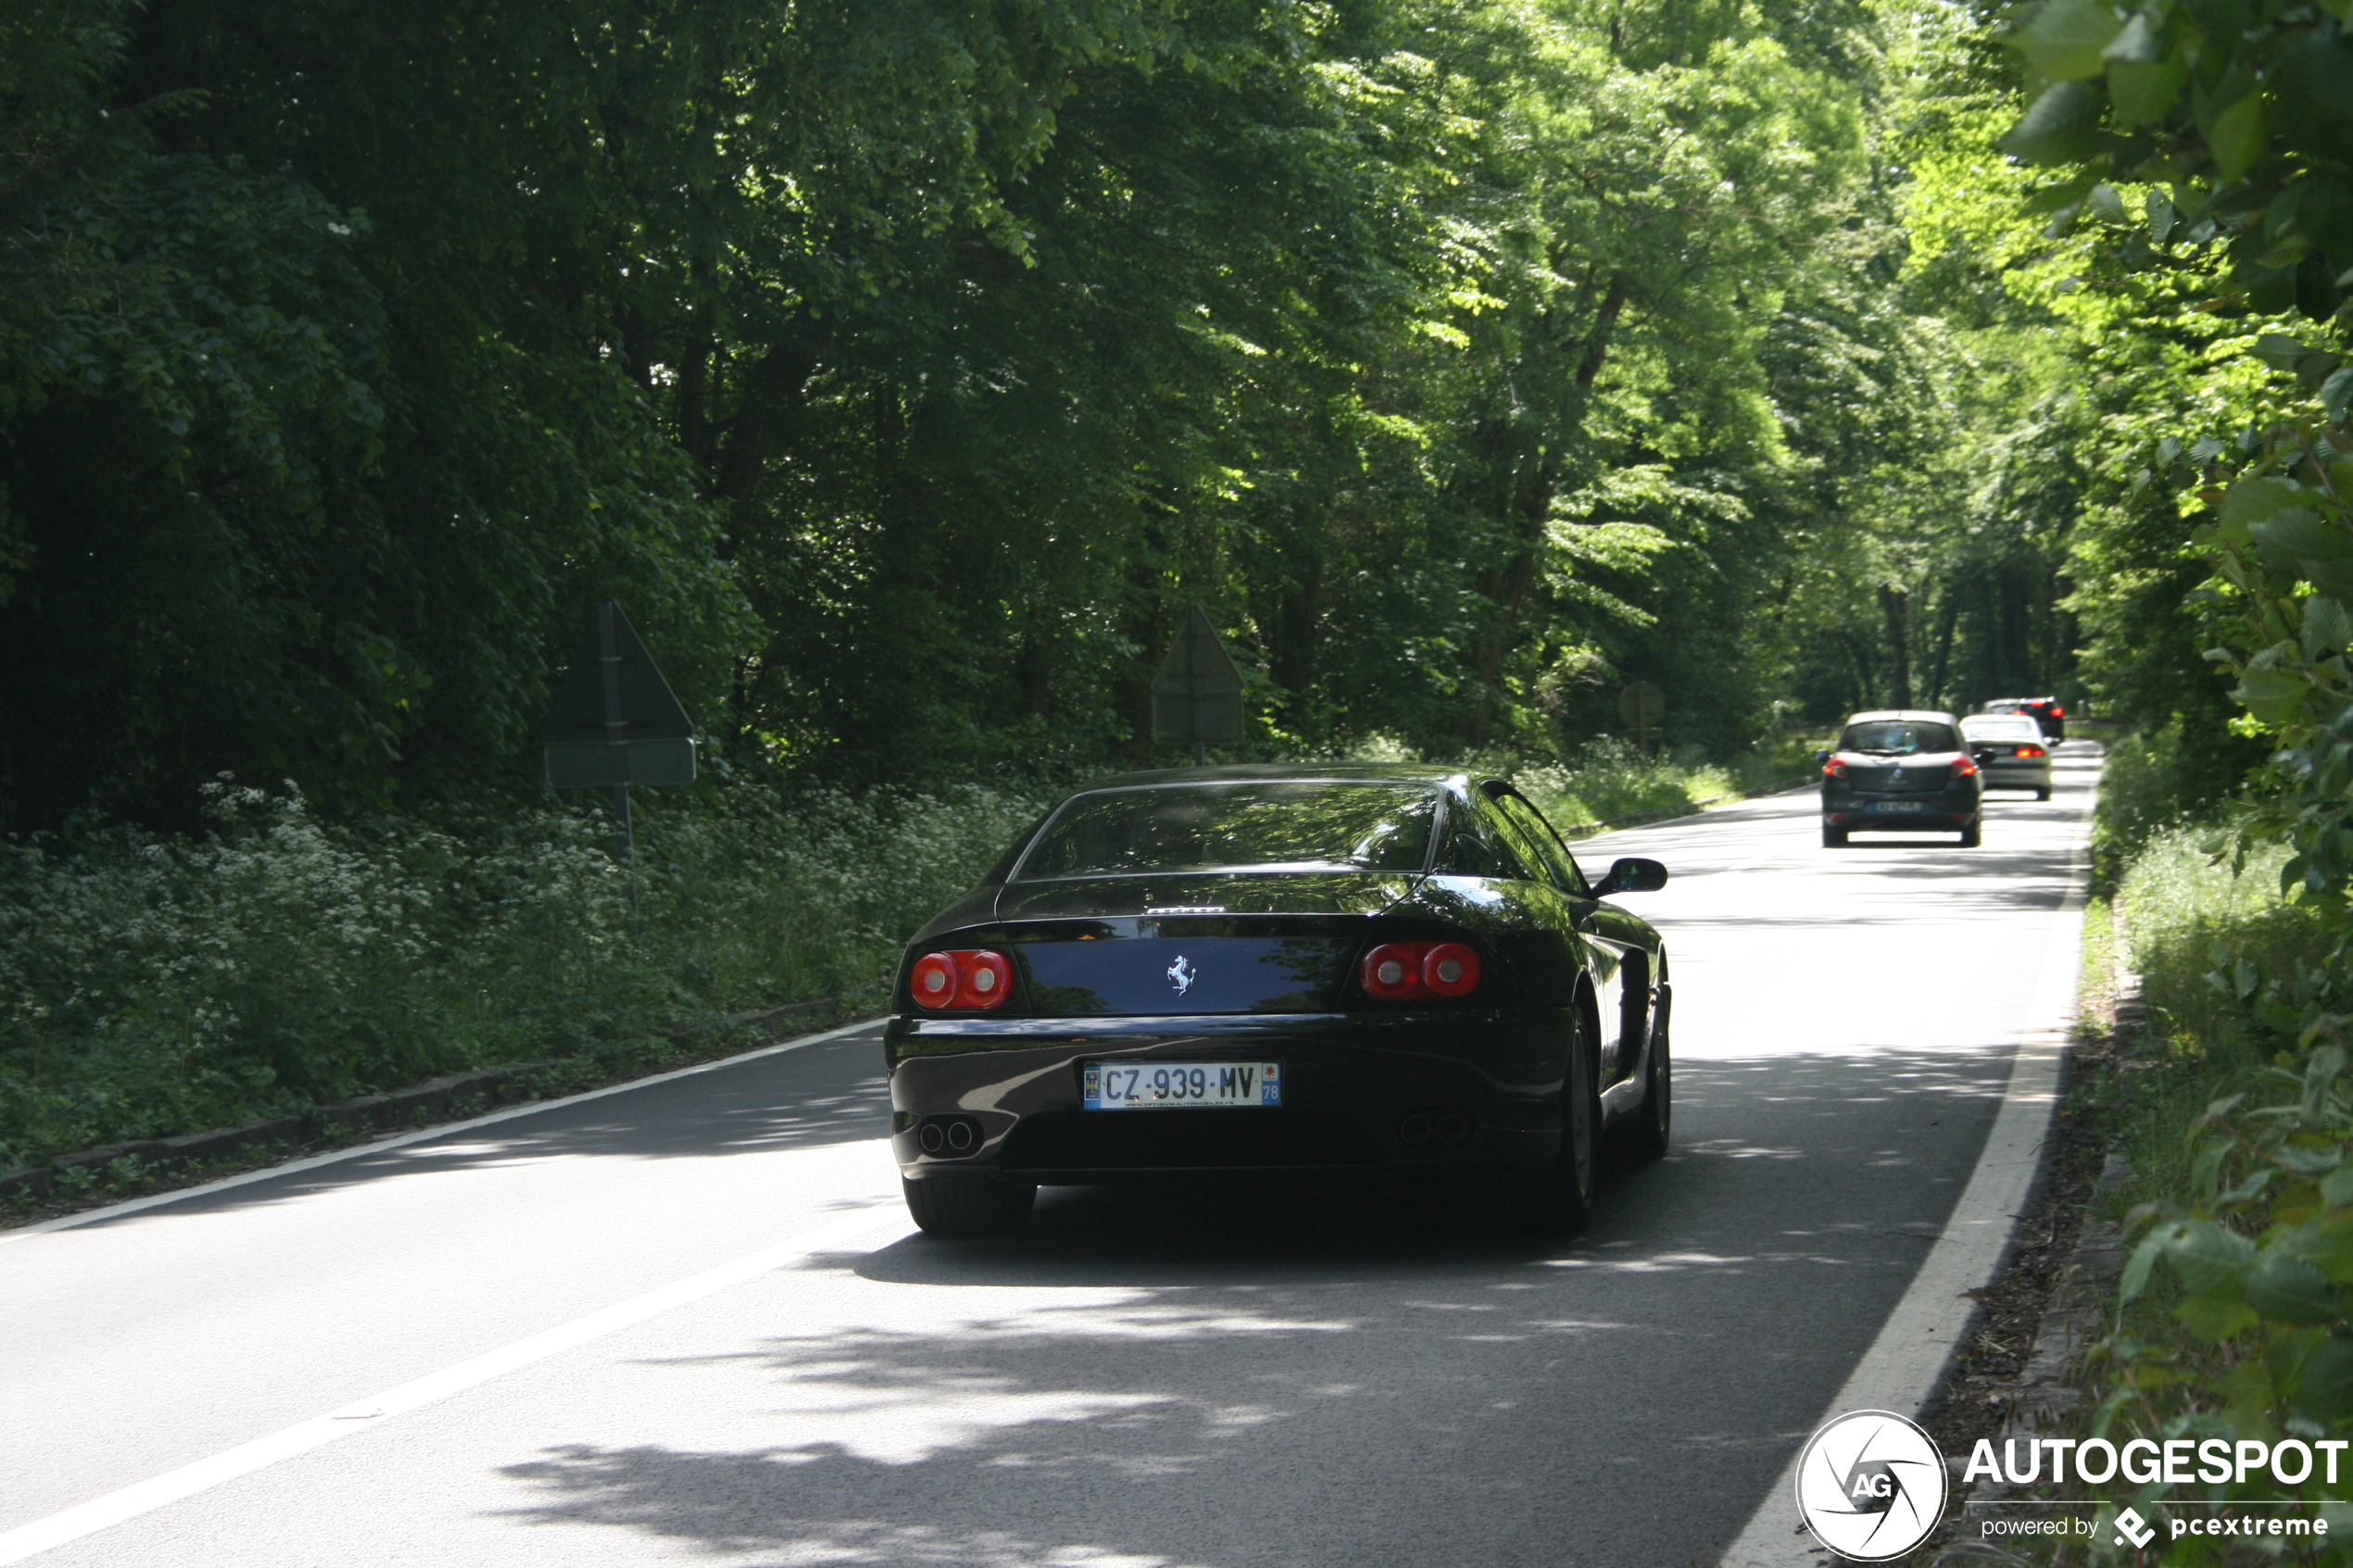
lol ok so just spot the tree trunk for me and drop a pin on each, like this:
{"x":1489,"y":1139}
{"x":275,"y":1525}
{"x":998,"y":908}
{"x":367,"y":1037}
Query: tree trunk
{"x":1895,"y":604}
{"x":1294,"y":651}
{"x":1524,"y":489}
{"x":1936,"y":689}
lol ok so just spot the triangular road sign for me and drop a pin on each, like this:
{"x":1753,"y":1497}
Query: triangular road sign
{"x":1197,"y":696}
{"x":615,"y":721}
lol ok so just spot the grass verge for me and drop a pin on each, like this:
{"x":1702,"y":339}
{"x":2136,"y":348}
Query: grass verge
{"x":2229,"y":1327}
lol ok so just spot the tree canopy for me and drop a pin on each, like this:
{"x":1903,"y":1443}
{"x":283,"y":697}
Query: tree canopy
{"x":906,"y":369}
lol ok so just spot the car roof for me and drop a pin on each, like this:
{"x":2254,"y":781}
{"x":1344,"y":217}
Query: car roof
{"x":2002,"y":718}
{"x":1244,"y":773}
{"x":1916,"y":715}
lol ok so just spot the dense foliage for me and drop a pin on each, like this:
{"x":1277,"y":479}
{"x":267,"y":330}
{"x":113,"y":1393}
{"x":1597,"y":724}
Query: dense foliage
{"x":2189,"y":166}
{"x":155,"y":986}
{"x":905,"y":369}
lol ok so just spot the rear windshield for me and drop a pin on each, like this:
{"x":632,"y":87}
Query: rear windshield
{"x":1308,"y":825}
{"x":2001,"y":728}
{"x":1903,"y":738}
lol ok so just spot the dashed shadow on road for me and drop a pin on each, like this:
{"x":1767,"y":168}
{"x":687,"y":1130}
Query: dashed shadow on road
{"x":1244,"y":1373}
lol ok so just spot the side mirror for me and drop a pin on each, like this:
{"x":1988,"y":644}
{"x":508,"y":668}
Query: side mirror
{"x":1633,"y":874}
{"x":1822,"y":756}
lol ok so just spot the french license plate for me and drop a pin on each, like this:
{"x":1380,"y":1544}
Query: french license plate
{"x":1898,"y":805}
{"x":1173,"y":1086}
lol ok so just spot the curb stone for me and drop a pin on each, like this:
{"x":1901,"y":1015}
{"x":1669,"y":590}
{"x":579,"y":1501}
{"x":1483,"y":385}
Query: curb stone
{"x":361,"y":1113}
{"x":2045,"y":1398}
{"x":1590,"y":829}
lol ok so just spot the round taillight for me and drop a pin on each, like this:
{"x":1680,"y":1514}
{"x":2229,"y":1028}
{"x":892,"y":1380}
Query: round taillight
{"x":988,"y":979}
{"x":1394,"y":972}
{"x":1450,"y":970}
{"x":934,"y":981}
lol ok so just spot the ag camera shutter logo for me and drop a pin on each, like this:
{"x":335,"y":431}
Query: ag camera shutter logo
{"x":1871,"y":1485}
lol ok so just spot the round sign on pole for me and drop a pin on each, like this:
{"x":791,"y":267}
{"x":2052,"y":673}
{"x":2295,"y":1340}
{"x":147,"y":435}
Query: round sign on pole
{"x":1642,"y":705}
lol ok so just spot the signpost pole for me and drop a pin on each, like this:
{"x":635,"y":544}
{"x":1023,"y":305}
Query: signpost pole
{"x":616,"y":726}
{"x":617,"y":742}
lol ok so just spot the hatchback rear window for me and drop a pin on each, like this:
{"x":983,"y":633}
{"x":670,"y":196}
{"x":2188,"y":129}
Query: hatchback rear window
{"x":2001,"y":729}
{"x":1302,"y":825}
{"x":1903,"y":738}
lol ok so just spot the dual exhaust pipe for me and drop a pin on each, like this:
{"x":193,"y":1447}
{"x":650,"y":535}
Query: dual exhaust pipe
{"x":1449,"y":1129}
{"x":950,"y":1136}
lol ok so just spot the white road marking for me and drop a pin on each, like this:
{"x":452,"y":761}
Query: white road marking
{"x":1901,"y":1368}
{"x":400,"y":1140}
{"x":362,"y":1415}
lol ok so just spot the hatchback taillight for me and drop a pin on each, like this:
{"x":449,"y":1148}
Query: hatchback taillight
{"x":962,"y":980}
{"x":1833,"y":769}
{"x":1963,"y":768}
{"x":1404,"y":972}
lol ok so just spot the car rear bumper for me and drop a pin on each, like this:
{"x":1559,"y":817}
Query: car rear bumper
{"x":1393,"y":1091}
{"x":1998,"y":775}
{"x":1933,"y":816}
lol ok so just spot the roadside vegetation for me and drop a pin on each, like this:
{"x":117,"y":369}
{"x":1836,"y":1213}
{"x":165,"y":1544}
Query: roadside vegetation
{"x":2236,"y":1117}
{"x":2176,"y":203}
{"x":161,"y":985}
{"x":1609,"y":781}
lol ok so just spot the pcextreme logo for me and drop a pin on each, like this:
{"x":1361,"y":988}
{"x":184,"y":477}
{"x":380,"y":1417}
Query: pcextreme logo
{"x":1870,"y":1486}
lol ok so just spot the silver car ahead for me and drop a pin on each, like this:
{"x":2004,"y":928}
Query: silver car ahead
{"x":2010,"y":751}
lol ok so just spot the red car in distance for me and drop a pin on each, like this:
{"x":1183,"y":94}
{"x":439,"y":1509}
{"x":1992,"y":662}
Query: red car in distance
{"x":2045,"y":710}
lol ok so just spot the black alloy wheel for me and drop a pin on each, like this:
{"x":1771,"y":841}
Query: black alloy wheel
{"x":1560,"y":1196}
{"x":969,"y":1205}
{"x":1647,"y":1135}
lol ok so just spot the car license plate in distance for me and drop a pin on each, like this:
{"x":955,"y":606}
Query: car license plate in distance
{"x":1175,"y":1085}
{"x":1898,"y":805}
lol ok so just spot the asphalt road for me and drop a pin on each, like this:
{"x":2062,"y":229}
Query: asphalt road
{"x":1232,"y":1378}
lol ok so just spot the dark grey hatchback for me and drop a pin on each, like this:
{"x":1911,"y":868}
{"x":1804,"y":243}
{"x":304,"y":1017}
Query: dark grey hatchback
{"x":1338,"y":969}
{"x":1901,"y":771}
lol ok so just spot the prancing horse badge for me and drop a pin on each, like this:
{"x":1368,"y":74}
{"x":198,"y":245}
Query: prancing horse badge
{"x":1182,"y":973}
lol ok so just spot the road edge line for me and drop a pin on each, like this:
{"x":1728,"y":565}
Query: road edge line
{"x":400,"y":1140}
{"x":1907,"y":1358}
{"x":144,"y":1496}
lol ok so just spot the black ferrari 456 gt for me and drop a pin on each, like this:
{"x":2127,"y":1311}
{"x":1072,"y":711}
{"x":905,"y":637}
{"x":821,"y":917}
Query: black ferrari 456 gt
{"x":1269,"y":968}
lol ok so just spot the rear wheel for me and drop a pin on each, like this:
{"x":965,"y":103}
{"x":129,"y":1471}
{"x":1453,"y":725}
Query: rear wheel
{"x":2044,"y":793}
{"x":1646,"y":1138}
{"x":1833,"y":838}
{"x":1560,"y":1196}
{"x":1973,"y":834}
{"x":969,"y":1205}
